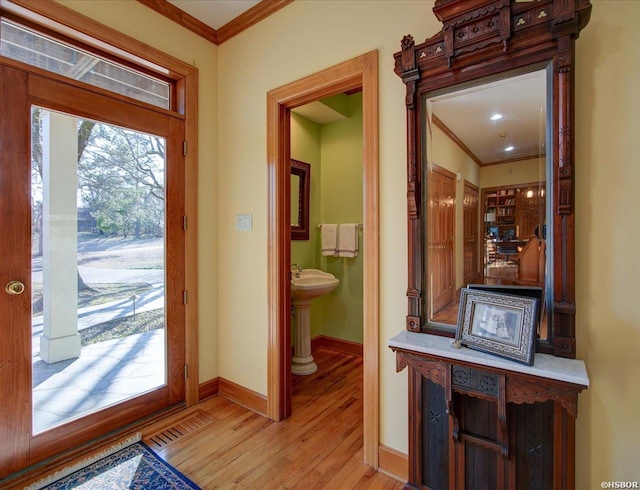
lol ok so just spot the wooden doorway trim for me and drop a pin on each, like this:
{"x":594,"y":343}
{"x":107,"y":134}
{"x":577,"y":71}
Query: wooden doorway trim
{"x":360,"y":72}
{"x":471,"y":232}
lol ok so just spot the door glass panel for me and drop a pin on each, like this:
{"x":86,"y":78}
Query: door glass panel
{"x":98,"y":260}
{"x":33,"y":48}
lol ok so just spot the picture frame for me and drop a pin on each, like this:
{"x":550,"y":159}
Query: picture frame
{"x":500,"y":324}
{"x":529,"y":291}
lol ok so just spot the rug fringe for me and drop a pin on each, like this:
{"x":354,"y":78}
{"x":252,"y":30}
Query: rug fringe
{"x":67,"y":470}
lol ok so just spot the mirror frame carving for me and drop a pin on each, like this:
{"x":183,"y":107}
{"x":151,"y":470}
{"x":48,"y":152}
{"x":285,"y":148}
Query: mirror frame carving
{"x":302,"y":170}
{"x":482,"y":38}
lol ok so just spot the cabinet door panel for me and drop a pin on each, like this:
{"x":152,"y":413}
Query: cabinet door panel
{"x":480,"y":469}
{"x":532,"y":425}
{"x":435,"y":437}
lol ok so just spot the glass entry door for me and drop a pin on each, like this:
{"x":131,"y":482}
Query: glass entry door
{"x":92,"y":248}
{"x":97,"y":265}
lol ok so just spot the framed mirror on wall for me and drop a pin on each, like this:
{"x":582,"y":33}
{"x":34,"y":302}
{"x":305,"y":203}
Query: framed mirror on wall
{"x":490,"y":209}
{"x":485,"y":167}
{"x":300,"y":190}
{"x":490,"y":160}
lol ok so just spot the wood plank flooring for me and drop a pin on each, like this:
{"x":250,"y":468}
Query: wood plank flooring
{"x":319,"y":446}
{"x":221,"y":445}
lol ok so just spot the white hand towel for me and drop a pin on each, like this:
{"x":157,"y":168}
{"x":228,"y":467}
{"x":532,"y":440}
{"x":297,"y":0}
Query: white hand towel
{"x":329,"y":239}
{"x":348,"y":240}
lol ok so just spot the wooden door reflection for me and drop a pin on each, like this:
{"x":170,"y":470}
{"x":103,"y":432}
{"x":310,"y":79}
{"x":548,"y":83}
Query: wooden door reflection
{"x":442,"y":195}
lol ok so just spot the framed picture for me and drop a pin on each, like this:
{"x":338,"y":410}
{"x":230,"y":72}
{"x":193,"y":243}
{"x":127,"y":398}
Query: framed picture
{"x":499,"y":324}
{"x":528,"y":291}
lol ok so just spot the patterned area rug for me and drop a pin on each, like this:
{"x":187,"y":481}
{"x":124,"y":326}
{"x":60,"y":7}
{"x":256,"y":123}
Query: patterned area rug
{"x":135,"y":466}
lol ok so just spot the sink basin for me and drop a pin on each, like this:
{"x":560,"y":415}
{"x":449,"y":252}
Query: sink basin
{"x":312,"y":283}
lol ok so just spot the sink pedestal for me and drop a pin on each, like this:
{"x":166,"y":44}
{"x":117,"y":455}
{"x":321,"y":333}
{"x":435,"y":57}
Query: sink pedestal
{"x":306,"y":285}
{"x":302,"y":360}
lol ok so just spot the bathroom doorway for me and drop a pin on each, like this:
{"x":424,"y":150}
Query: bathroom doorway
{"x":358,"y":73}
{"x":326,"y":136}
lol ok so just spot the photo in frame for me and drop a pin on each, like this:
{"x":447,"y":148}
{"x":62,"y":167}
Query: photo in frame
{"x":499,"y":324}
{"x":528,"y":291}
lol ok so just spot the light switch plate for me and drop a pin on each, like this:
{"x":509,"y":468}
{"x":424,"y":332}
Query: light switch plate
{"x":244,"y":222}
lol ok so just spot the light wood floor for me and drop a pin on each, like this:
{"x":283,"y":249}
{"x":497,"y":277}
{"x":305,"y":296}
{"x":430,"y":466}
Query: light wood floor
{"x":319,"y":446}
{"x":221,"y":445}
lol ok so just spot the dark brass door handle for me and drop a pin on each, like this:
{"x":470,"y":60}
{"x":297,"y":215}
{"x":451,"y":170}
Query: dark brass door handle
{"x":14,"y":287}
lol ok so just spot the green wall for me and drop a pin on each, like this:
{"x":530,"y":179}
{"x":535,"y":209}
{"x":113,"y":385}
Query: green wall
{"x":336,"y":197}
{"x":342,"y":203}
{"x":305,"y":147}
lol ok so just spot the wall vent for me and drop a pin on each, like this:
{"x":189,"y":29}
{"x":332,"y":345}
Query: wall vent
{"x":164,"y":437}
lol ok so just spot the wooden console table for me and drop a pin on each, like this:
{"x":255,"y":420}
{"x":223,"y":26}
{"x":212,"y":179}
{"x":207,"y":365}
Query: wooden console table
{"x":477,"y":421}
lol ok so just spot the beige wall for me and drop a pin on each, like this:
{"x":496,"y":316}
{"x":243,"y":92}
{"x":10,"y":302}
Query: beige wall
{"x":607,"y":263}
{"x":138,"y":21}
{"x":289,"y":45}
{"x":307,"y":36}
{"x":521,"y":172}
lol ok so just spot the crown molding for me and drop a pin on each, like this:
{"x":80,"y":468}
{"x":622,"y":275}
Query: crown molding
{"x":255,"y":14}
{"x":232,"y":28}
{"x":182,"y":18}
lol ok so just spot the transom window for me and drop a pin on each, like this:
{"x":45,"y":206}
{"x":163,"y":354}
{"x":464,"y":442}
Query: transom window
{"x":36,"y":49}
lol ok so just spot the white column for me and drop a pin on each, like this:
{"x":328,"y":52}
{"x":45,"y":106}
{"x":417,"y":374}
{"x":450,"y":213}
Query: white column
{"x":302,"y":360}
{"x":60,"y":339}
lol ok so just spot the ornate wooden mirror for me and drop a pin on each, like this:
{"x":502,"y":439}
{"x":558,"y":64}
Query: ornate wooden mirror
{"x":300,"y":189}
{"x":490,"y":159}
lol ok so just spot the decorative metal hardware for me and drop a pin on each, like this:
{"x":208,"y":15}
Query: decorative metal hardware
{"x":14,"y":288}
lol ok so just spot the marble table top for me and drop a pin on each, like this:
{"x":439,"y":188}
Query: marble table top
{"x":544,"y":366}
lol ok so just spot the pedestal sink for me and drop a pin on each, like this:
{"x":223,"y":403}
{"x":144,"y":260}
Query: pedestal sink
{"x":306,"y":285}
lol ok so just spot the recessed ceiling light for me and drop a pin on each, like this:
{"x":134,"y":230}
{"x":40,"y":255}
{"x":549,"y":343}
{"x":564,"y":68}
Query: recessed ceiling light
{"x":509,"y":148}
{"x":496,"y":116}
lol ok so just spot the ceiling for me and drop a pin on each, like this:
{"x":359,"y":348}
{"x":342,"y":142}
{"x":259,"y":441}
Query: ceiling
{"x":319,"y":113}
{"x":466,"y":116}
{"x":214,"y":13}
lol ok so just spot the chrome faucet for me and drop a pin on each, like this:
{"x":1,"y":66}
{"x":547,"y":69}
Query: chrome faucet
{"x":296,"y":266}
